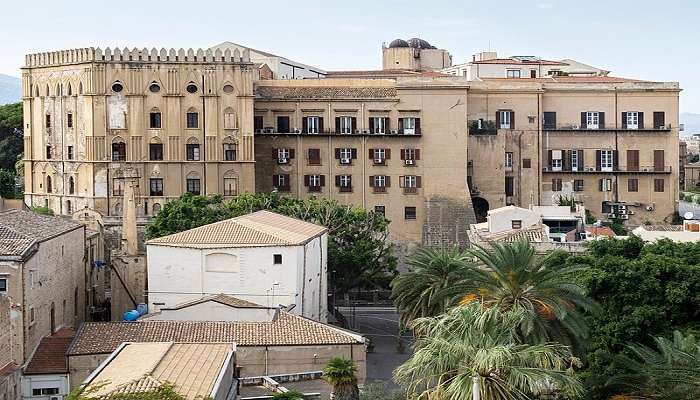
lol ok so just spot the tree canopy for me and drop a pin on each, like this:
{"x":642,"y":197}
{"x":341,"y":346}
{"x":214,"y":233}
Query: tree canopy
{"x":10,"y":135}
{"x":359,"y":254}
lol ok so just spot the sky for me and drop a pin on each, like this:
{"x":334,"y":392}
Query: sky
{"x":654,"y":40}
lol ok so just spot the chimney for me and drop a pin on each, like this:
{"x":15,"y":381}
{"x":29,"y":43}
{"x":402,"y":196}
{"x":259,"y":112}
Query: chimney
{"x":129,"y":232}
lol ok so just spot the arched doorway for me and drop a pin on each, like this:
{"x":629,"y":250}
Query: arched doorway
{"x":481,"y":208}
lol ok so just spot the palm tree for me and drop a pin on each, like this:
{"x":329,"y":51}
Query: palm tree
{"x":669,"y":372}
{"x":475,"y":350}
{"x":420,"y":292}
{"x":513,"y":276}
{"x":340,"y":373}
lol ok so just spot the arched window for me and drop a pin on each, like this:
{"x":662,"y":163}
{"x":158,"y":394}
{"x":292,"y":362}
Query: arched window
{"x":118,"y":149}
{"x":36,"y":91}
{"x":156,"y":208}
{"x":69,"y":207}
{"x":117,"y":208}
{"x":48,"y":93}
{"x":71,"y":185}
{"x":49,"y":187}
{"x":59,"y":90}
{"x":155,"y":121}
{"x":230,"y":149}
{"x":70,"y":89}
{"x":192,"y":119}
{"x":194,"y":183}
{"x":230,"y":183}
{"x":229,"y":118}
{"x":80,"y":88}
{"x":192,"y":148}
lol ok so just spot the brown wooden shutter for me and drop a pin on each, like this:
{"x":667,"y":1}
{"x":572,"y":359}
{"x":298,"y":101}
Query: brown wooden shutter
{"x":353,"y":154}
{"x":615,"y":160}
{"x":417,"y":126}
{"x":337,"y":180}
{"x":402,"y":181}
{"x":274,"y":180}
{"x":320,"y":125}
{"x":659,"y":119}
{"x":287,"y":181}
{"x":337,"y":124}
{"x":306,"y":180}
{"x":640,"y":115}
{"x":581,"y":164}
{"x":353,"y":124}
{"x":387,"y":125}
{"x":633,"y":160}
{"x":387,"y":180}
{"x":323,"y":180}
{"x":403,"y":154}
{"x":401,"y":125}
{"x":371,"y":125}
{"x":549,"y":158}
{"x":583,"y":120}
{"x":512,"y":120}
{"x":416,"y":152}
{"x":304,"y":125}
{"x":337,"y":153}
{"x":601,"y":120}
{"x":566,"y":162}
{"x":274,"y":154}
{"x":387,"y":153}
{"x":371,"y":154}
{"x":597,"y":160}
{"x":498,"y":120}
{"x":624,"y":120}
{"x":658,"y":160}
{"x":600,"y":185}
{"x":371,"y":181}
{"x":291,"y":153}
{"x":418,"y":181}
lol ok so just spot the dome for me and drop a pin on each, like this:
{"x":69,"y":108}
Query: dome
{"x":418,"y":43}
{"x":398,"y":43}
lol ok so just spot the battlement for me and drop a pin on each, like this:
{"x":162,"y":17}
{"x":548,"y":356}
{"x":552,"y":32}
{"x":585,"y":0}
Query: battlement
{"x":91,"y":54}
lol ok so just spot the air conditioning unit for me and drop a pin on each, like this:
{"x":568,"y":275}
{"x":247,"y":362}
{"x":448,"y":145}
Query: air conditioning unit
{"x":650,"y":207}
{"x":282,"y":160}
{"x":269,"y":130}
{"x":378,"y":160}
{"x":624,"y":216}
{"x":56,"y":398}
{"x":410,"y":162}
{"x":575,"y":127}
{"x":622,"y":212}
{"x":612,"y":215}
{"x":394,"y":131}
{"x":590,"y":169}
{"x":409,"y":131}
{"x":345,"y":161}
{"x":366,"y":131}
{"x":261,"y":130}
{"x":358,"y":131}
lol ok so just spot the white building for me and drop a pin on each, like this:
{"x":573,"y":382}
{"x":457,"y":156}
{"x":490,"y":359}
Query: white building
{"x":488,"y":65}
{"x":263,"y":257}
{"x":688,"y":232}
{"x":281,"y":67}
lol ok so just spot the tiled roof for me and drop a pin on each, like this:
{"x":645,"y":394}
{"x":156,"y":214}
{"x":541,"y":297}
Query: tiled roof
{"x":324,"y":92}
{"x":261,"y":228}
{"x":20,"y":229}
{"x":514,"y":61}
{"x":533,"y":234}
{"x":219,"y":298}
{"x":600,"y":231}
{"x":287,"y":329}
{"x":8,"y":369}
{"x":664,"y":228}
{"x":50,"y":355}
{"x":568,"y":79}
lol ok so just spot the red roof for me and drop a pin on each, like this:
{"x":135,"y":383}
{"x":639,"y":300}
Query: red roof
{"x":8,"y":369}
{"x":600,"y":231}
{"x":50,"y":356}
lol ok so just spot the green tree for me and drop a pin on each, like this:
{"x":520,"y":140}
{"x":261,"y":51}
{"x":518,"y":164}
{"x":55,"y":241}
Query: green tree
{"x":10,"y":135}
{"x":7,"y":184}
{"x":340,"y":373}
{"x":421,"y":292}
{"x":669,"y":372}
{"x":290,"y":395}
{"x":359,"y":254}
{"x":163,"y":392}
{"x":512,"y":275}
{"x":476,"y":348}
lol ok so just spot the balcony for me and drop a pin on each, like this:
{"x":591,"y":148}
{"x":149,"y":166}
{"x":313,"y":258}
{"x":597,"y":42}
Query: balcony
{"x":410,"y":190}
{"x":482,"y":127}
{"x":314,"y":189}
{"x":345,"y":189}
{"x":269,"y":131}
{"x":604,"y":128}
{"x":620,"y":169}
{"x":379,"y":189}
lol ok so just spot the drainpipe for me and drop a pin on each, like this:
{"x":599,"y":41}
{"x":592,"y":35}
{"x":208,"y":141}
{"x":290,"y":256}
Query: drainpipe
{"x":203,"y":155}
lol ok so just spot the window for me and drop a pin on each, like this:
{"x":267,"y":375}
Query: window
{"x":48,"y":152}
{"x":283,"y":155}
{"x":344,"y":182}
{"x":575,"y":160}
{"x":606,"y":160}
{"x":533,"y":73}
{"x":3,"y":285}
{"x":191,"y":88}
{"x":659,"y":120}
{"x":313,"y":124}
{"x":44,"y":392}
{"x":155,"y":151}
{"x":550,"y":120}
{"x":410,"y":183}
{"x":410,"y":154}
{"x":229,"y":152}
{"x":281,"y":182}
{"x":117,"y":187}
{"x":513,"y":73}
{"x":556,"y":160}
{"x":509,"y":185}
{"x":556,"y":185}
{"x":70,"y":152}
{"x":345,"y":125}
{"x":632,"y":120}
{"x":605,"y":185}
{"x":156,"y":186}
{"x":409,"y":125}
{"x":69,"y":120}
{"x":632,"y":185}
{"x":48,"y":120}
{"x":117,"y":87}
{"x":193,"y":186}
{"x":277,"y":258}
{"x":378,"y":125}
{"x":71,"y":185}
{"x":229,"y":119}
{"x":31,"y":315}
{"x":527,"y":163}
{"x":592,"y":120}
{"x":379,"y":156}
{"x":49,"y":187}
{"x":409,"y":213}
{"x":379,"y":183}
{"x":505,"y":120}
{"x":508,"y":162}
{"x":578,"y":185}
{"x":192,"y":120}
{"x":516,"y":224}
{"x":154,"y":88}
{"x":314,"y":156}
{"x":192,"y":152}
{"x":155,"y":121}
{"x":228,"y":88}
{"x":230,"y":186}
{"x":346,"y":155}
{"x":283,"y":124}
{"x":119,"y":151}
{"x":258,"y":123}
{"x":658,"y":185}
{"x":380,"y":210}
{"x":314,"y":182}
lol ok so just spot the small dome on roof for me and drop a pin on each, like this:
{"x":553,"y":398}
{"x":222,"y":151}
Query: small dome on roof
{"x":398,"y":43}
{"x":418,"y":43}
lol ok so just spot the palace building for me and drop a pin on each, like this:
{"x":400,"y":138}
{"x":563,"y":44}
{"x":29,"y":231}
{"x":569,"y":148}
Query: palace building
{"x":432,"y":151}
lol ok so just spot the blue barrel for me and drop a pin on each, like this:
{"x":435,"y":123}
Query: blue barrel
{"x":131,"y":315}
{"x":142,"y":308}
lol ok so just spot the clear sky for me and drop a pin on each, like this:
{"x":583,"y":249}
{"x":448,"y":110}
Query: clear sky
{"x":656,"y":40}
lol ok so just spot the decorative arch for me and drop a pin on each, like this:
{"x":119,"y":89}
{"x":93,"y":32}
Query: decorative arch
{"x":156,"y":140}
{"x":59,"y":89}
{"x":49,"y":184}
{"x":71,"y":185}
{"x":193,"y":175}
{"x":230,"y":174}
{"x":80,"y":88}
{"x":70,"y":90}
{"x":192,"y":140}
{"x":230,"y":140}
{"x":48,"y":92}
{"x":36,"y":91}
{"x":118,"y":139}
{"x":230,"y":179}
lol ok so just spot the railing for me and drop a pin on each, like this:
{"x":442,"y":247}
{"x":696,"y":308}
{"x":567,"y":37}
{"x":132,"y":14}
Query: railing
{"x":609,"y":127}
{"x":618,"y":169}
{"x":356,"y":132}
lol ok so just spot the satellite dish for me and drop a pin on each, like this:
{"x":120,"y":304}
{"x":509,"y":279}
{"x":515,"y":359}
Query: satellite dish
{"x":688,"y":215}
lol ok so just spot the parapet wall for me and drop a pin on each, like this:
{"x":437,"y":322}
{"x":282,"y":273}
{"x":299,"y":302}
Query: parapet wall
{"x":91,"y":54}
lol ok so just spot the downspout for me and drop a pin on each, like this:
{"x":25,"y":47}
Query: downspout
{"x":539,"y":148}
{"x":616,"y":159}
{"x":204,"y":135}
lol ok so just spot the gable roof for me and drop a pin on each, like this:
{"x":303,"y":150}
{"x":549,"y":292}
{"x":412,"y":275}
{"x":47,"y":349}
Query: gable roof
{"x":50,"y":355}
{"x":21,"y":229}
{"x":261,"y":228}
{"x":218,"y":298}
{"x":285,"y":330}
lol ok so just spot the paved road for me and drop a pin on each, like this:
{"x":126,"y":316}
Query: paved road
{"x":381,"y":326}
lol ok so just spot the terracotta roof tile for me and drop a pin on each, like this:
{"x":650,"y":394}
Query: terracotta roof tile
{"x":20,"y":229}
{"x":219,"y":298}
{"x":50,"y":355}
{"x":261,"y":228}
{"x":323,"y":92}
{"x":286,"y":329}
